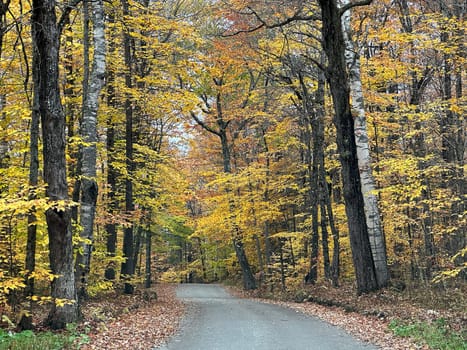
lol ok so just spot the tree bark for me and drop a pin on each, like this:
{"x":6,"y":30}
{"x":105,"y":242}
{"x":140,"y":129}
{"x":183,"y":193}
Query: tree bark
{"x":89,"y":187}
{"x":45,"y":35}
{"x":372,"y":214}
{"x":336,"y":74}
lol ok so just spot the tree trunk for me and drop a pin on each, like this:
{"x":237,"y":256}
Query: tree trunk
{"x":282,"y":264}
{"x":453,"y":133}
{"x":89,"y":189}
{"x":45,"y":35}
{"x":111,"y":227}
{"x":128,"y":266}
{"x":148,"y":272}
{"x":30,"y":262}
{"x":460,"y":240}
{"x":203,"y":259}
{"x":313,"y":194}
{"x":137,"y":249}
{"x":334,"y":47}
{"x":335,"y":233}
{"x":373,"y":218}
{"x":312,"y":159}
{"x":85,"y":84}
{"x":4,"y":8}
{"x":325,"y":238}
{"x":266,"y":229}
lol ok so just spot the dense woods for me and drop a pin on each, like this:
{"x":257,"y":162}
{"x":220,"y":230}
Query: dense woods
{"x":271,"y":144}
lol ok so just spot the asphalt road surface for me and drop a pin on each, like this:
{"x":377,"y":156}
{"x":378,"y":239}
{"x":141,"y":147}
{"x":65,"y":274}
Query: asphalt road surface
{"x":218,"y":321}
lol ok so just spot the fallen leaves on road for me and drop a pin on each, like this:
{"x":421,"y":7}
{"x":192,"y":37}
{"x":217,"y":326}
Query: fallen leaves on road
{"x":133,"y":322}
{"x":366,"y":328}
{"x":366,"y":316}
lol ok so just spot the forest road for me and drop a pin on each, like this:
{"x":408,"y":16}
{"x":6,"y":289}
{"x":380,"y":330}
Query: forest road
{"x":218,"y":321}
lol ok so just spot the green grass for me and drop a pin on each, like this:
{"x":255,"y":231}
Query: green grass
{"x":28,"y":340}
{"x":437,"y":335}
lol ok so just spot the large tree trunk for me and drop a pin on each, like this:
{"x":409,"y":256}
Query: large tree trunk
{"x":334,"y":47}
{"x":89,"y":149}
{"x":45,"y":35}
{"x":372,"y":214}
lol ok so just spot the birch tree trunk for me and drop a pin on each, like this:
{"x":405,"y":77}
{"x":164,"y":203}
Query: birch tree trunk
{"x":89,"y":150}
{"x":372,"y":214}
{"x":45,"y":37}
{"x":336,"y":73}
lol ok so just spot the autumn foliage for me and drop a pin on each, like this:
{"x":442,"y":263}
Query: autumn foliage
{"x":233,"y":163}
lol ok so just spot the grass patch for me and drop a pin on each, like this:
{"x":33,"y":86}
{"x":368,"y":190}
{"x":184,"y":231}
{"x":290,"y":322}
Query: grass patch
{"x":28,"y":340}
{"x":437,"y":334}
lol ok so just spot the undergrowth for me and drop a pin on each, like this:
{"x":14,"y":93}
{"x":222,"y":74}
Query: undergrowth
{"x":437,"y":334}
{"x":28,"y":340}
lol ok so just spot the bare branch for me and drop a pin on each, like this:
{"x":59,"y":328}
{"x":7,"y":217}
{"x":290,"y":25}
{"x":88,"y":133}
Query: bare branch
{"x":203,"y":124}
{"x":354,"y":4}
{"x":296,"y":17}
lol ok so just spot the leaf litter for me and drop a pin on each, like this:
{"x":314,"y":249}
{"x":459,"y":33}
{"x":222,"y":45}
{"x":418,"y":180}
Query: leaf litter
{"x":133,"y":322}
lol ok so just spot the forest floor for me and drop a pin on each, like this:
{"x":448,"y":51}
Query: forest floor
{"x":132,"y":322}
{"x":139,"y":321}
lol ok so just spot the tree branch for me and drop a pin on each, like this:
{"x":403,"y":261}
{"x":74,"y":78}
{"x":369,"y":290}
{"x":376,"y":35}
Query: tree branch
{"x":350,"y":5}
{"x":204,"y":125}
{"x":297,"y":16}
{"x":65,"y":17}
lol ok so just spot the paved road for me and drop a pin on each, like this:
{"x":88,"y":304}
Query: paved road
{"x":218,"y":321}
